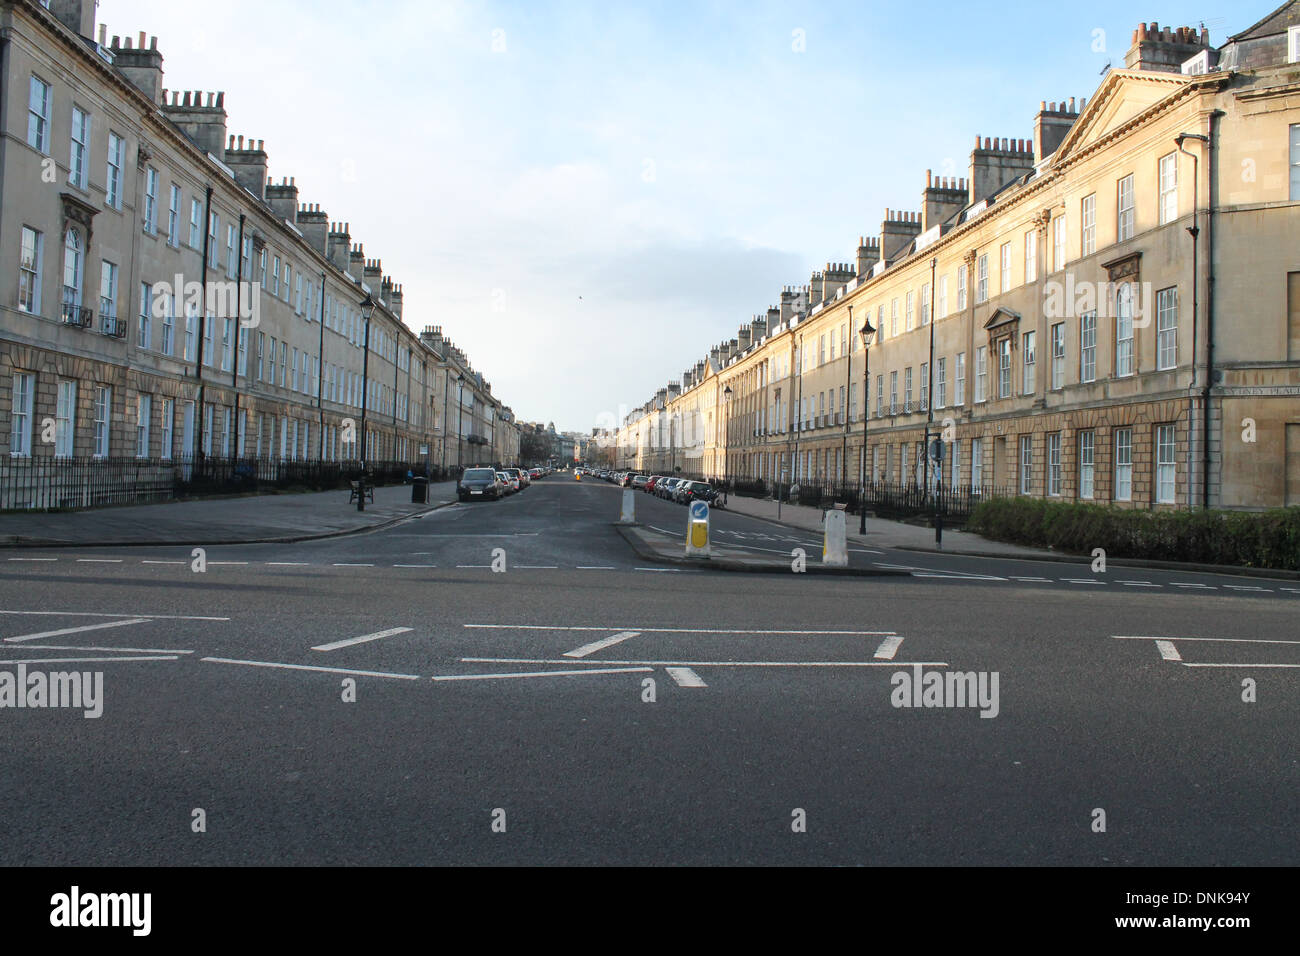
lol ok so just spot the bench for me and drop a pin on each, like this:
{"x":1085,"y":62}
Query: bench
{"x":356,"y":490}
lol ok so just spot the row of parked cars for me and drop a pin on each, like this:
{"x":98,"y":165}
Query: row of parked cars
{"x":496,"y":483}
{"x":669,"y":487}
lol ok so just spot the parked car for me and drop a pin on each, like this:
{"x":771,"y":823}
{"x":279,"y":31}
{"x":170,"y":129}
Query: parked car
{"x":508,"y":484}
{"x":670,"y":488}
{"x":638,"y":481}
{"x":651,"y":482}
{"x":521,"y":480}
{"x":698,"y":491}
{"x":534,"y":474}
{"x":479,"y":483}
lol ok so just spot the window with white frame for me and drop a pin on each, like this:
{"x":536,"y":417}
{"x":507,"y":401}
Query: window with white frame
{"x":1026,"y":464}
{"x":961,"y":287}
{"x":29,"y":270}
{"x":1167,"y":328}
{"x":208,"y":428}
{"x":1124,"y":209}
{"x":981,"y":373}
{"x":196,"y":224}
{"x":73,"y":268}
{"x":227,"y":344}
{"x":1295,"y":161}
{"x":911,"y":312}
{"x":242,"y":365}
{"x":226,"y":420}
{"x":925,"y":386}
{"x":976,"y":464}
{"x":79,"y":154}
{"x":275,"y":276}
{"x":925,"y":303}
{"x":959,"y":386}
{"x":288,"y":273}
{"x":208,"y":337}
{"x":1031,"y":255}
{"x":191,"y":331}
{"x":1004,"y":267}
{"x":166,"y":421}
{"x":214,"y":239}
{"x":65,"y":419}
{"x":143,"y":416}
{"x":941,"y":383}
{"x":1058,"y":355}
{"x":144,"y":332}
{"x":1168,"y":176}
{"x":954,"y":463}
{"x":113,"y":176}
{"x":1088,"y":347}
{"x":294,"y":367}
{"x":1088,"y":225}
{"x":103,"y":416}
{"x":150,"y":200}
{"x":38,"y":115}
{"x":1087,"y":461}
{"x":893,"y":317}
{"x":1165,"y":468}
{"x":942,"y":304}
{"x":1124,"y":329}
{"x":982,"y":278}
{"x":168,"y":325}
{"x":107,"y":291}
{"x":907,"y":389}
{"x":1123,"y":464}
{"x":174,"y":216}
{"x":1004,"y":368}
{"x":893,"y":393}
{"x":1029,"y":353}
{"x":1058,"y":243}
{"x":232,"y":251}
{"x":1293,"y":44}
{"x":20,"y":418}
{"x":880,"y":395}
{"x":1054,"y":464}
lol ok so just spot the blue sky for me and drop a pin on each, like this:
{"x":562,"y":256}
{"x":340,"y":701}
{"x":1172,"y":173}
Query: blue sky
{"x":587,"y":196}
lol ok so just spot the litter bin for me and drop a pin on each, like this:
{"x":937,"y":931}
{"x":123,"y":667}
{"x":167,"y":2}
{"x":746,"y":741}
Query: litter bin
{"x":419,"y":490}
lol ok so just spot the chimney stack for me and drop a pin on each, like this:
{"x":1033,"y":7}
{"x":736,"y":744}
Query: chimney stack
{"x":283,"y":199}
{"x":942,"y":198}
{"x":247,"y":159}
{"x":995,"y":162}
{"x":141,"y":65}
{"x":1051,"y":125}
{"x":1164,"y":50}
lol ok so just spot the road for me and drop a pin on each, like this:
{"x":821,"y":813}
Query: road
{"x":583,"y":707}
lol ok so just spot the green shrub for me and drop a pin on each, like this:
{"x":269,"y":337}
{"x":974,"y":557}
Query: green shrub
{"x":1269,"y":539}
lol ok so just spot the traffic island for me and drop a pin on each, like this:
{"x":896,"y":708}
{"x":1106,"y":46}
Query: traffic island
{"x":663,"y":548}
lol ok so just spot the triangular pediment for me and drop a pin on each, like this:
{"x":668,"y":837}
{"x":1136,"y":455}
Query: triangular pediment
{"x":1122,"y":95}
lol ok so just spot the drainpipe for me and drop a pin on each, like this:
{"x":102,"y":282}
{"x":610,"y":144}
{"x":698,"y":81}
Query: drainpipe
{"x":196,"y":451}
{"x":239,"y":328}
{"x":320,"y":378}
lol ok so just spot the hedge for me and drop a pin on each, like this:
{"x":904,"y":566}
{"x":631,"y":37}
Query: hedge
{"x":1269,"y":539}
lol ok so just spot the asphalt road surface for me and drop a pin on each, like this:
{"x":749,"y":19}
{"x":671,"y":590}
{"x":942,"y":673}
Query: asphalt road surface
{"x":390,"y":698}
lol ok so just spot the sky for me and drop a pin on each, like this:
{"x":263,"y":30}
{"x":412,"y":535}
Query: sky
{"x":587,"y":196}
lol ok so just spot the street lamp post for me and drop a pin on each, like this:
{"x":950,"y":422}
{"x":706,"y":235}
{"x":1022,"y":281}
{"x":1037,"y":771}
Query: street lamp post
{"x":867,"y":332}
{"x":779,"y":470}
{"x":726,"y":441}
{"x":367,"y":307}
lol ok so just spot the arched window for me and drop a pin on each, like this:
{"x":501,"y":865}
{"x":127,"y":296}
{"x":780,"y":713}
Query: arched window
{"x":72,"y":267}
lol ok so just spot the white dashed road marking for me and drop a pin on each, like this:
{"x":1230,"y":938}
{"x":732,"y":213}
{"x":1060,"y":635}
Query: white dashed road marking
{"x":592,"y":670}
{"x":1168,"y":651}
{"x":888,"y":648}
{"x":685,"y":677}
{"x":76,"y":630}
{"x":364,"y":638}
{"x":308,"y":667}
{"x":588,"y":649}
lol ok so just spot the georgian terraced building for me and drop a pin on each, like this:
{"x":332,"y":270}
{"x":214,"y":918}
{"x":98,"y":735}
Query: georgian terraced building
{"x":163,"y":299}
{"x":1107,"y":310}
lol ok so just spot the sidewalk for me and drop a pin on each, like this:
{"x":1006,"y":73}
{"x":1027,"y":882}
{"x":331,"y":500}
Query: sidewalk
{"x":881,"y":532}
{"x":209,"y":521}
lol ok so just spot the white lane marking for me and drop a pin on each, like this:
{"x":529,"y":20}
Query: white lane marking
{"x":1035,"y":580}
{"x":536,"y":660}
{"x":957,"y":577}
{"x":1168,"y":651}
{"x":1252,"y":666}
{"x":287,"y":564}
{"x":888,"y":648}
{"x":213,"y":564}
{"x":76,"y":630}
{"x":518,"y":534}
{"x":596,"y":567}
{"x":666,"y":630}
{"x":415,"y":565}
{"x":536,"y":567}
{"x":473,"y":565}
{"x":1082,"y":581}
{"x":84,"y":660}
{"x":685,"y":677}
{"x":103,"y":650}
{"x":587,"y":649}
{"x":1244,"y":587}
{"x":148,"y":561}
{"x":675,"y":534}
{"x":1208,"y":587}
{"x":33,"y":559}
{"x":1223,"y":640}
{"x":660,"y":570}
{"x":591,"y":670}
{"x":1296,"y":590}
{"x":340,"y":564}
{"x":151,"y":617}
{"x":307,"y":667}
{"x":1139,"y":584}
{"x":99,"y":560}
{"x":348,"y":642}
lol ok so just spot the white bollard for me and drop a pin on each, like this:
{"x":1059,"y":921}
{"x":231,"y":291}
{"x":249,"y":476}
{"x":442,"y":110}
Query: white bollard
{"x":697,"y":530}
{"x":628,"y":514}
{"x":835,"y":547}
